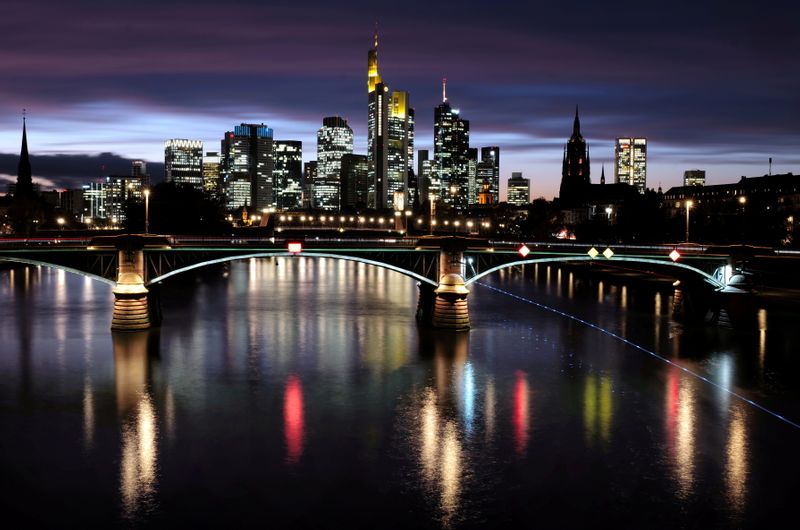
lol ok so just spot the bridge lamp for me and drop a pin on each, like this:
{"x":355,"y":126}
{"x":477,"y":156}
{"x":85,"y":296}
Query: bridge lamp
{"x":457,"y":223}
{"x":341,"y":219}
{"x":351,"y":219}
{"x":433,"y":222}
{"x":283,"y":217}
{"x":147,"y":211}
{"x":361,"y":219}
{"x":674,"y":255}
{"x":60,"y":222}
{"x":742,"y":200}
{"x":419,"y":221}
{"x":397,"y":213}
{"x":295,"y":247}
{"x":689,"y":205}
{"x":381,"y":220}
{"x":524,"y":251}
{"x":469,"y":224}
{"x":408,"y":213}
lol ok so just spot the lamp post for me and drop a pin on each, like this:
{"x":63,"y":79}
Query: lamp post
{"x":689,"y":205}
{"x":147,"y":211}
{"x":432,"y":221}
{"x":60,"y":222}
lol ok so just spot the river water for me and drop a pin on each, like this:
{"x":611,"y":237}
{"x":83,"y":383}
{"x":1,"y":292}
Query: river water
{"x":302,"y":393}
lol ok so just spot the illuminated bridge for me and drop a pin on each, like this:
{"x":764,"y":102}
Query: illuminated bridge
{"x":443,"y":266}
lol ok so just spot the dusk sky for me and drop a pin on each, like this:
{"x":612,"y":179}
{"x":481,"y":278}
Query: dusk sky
{"x":713,"y":85}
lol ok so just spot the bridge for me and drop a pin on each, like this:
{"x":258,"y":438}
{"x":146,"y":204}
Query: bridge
{"x":443,"y":266}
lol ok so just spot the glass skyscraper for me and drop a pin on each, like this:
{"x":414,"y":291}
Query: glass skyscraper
{"x":288,"y":174}
{"x":630,"y":157}
{"x":451,"y":155}
{"x":247,"y":165}
{"x":334,"y":140}
{"x":183,"y":162}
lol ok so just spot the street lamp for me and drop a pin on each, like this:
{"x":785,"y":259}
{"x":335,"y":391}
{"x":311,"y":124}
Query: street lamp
{"x":147,"y":211}
{"x":608,"y":213}
{"x":60,"y":222}
{"x":689,"y":205}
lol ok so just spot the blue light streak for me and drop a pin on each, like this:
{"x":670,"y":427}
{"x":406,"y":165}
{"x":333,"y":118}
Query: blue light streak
{"x":645,"y":350}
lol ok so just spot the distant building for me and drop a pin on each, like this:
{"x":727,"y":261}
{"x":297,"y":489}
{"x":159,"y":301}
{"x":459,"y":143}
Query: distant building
{"x":575,"y":168}
{"x":768,"y":192}
{"x":354,"y":181}
{"x":183,"y":162}
{"x":519,"y":190}
{"x":288,"y":174}
{"x":119,"y":190}
{"x":425,"y":176}
{"x":694,"y":177}
{"x":94,"y":202}
{"x":490,"y":158}
{"x":630,"y":162}
{"x":309,"y":176}
{"x":451,"y":154}
{"x":247,"y":164}
{"x":334,"y":140}
{"x":139,"y":169}
{"x":212,"y":163}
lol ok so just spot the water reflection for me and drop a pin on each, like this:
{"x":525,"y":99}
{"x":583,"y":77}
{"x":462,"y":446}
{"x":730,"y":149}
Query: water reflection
{"x":521,"y":418}
{"x":597,"y":408}
{"x":139,"y":458}
{"x":293,"y":421}
{"x":737,"y":453}
{"x":680,"y":428}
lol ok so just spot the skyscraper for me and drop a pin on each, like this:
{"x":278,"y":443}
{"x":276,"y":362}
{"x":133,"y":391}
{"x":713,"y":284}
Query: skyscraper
{"x":377,"y":129}
{"x":451,"y":154}
{"x":490,"y":156}
{"x":575,"y":169}
{"x":139,"y":169}
{"x":694,"y":177}
{"x":630,"y":161}
{"x":519,"y":190}
{"x":400,"y":152}
{"x":472,"y":176}
{"x":247,"y":164}
{"x":288,"y":174}
{"x":183,"y":162}
{"x":334,"y":140}
{"x":425,"y":176}
{"x":211,"y":173}
{"x":309,"y":176}
{"x":354,"y":181}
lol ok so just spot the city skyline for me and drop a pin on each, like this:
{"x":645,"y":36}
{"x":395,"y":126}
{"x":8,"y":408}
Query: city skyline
{"x":518,"y":83}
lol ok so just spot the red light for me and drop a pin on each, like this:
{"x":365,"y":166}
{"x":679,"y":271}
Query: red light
{"x":293,"y":422}
{"x":295,"y":248}
{"x":523,"y":251}
{"x":674,"y":255}
{"x":520,"y":412}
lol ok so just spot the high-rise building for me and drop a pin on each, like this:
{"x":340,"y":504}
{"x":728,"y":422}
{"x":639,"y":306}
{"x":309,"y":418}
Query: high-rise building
{"x":212,"y":163}
{"x":183,"y":162}
{"x":334,"y":140}
{"x":630,"y":157}
{"x":118,"y":191}
{"x":491,"y":157}
{"x":472,"y":176}
{"x":519,"y":190}
{"x":575,"y":168}
{"x":694,"y":177}
{"x":425,"y":176}
{"x":451,"y":154}
{"x":354,"y":181}
{"x":247,"y":164}
{"x":94,"y":202}
{"x":139,"y":169}
{"x":400,"y":150}
{"x":288,"y":174}
{"x":309,"y":176}
{"x":377,"y":129}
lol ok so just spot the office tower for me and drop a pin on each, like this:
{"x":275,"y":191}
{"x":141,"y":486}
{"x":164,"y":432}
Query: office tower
{"x":24,"y":187}
{"x":211,"y":173}
{"x":183,"y":162}
{"x":334,"y":140}
{"x":139,"y":169}
{"x":287,"y":175}
{"x":694,"y":177}
{"x":472,"y":176}
{"x":519,"y":190}
{"x":400,"y":149}
{"x":424,"y":176}
{"x":247,"y":166}
{"x":575,"y":169}
{"x":354,"y":181}
{"x":94,"y":202}
{"x":377,"y":129}
{"x":450,"y":153}
{"x":118,"y":191}
{"x":630,"y":156}
{"x":309,"y":176}
{"x":491,"y":157}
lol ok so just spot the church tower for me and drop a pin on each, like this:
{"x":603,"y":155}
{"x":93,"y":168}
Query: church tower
{"x":24,"y":177}
{"x":575,"y":168}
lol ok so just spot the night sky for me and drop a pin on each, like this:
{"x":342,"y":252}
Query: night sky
{"x":714,"y":85}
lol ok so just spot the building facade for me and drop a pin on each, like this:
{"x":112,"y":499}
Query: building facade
{"x":354,"y":181}
{"x":490,"y":156}
{"x":183,"y":162}
{"x":334,"y":140}
{"x":694,"y":177}
{"x":288,"y":174}
{"x":451,"y":155}
{"x":630,"y":162}
{"x":211,"y":173}
{"x":519,"y":190}
{"x":247,"y":164}
{"x":400,"y":146}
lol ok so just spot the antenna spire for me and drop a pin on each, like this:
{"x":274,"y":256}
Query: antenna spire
{"x":444,"y":90}
{"x":375,"y":44}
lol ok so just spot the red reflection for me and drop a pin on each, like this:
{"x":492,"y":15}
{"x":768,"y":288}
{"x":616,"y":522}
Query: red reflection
{"x":293,"y":419}
{"x":521,"y":398}
{"x":672,"y":406}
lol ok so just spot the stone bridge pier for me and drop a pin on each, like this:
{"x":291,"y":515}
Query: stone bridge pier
{"x":445,"y":306}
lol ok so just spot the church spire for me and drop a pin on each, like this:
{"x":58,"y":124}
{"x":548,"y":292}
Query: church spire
{"x":603,"y":174}
{"x":576,"y":126}
{"x":24,"y":180}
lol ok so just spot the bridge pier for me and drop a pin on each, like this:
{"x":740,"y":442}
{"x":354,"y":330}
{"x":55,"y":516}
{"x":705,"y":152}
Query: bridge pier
{"x":450,"y":309}
{"x":136,"y":308}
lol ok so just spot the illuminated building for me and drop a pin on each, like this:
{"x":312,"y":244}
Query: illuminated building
{"x":400,"y":149}
{"x":354,"y":181}
{"x":472,"y":176}
{"x":183,"y":162}
{"x":519,"y":190}
{"x":490,"y":157}
{"x":139,"y":169}
{"x":118,"y":191}
{"x":425,"y":181}
{"x":575,"y":168}
{"x":287,"y":174}
{"x":94,"y":201}
{"x":630,"y":157}
{"x":211,"y":173}
{"x":334,"y":140}
{"x":309,"y":176}
{"x":694,"y":177}
{"x":247,"y":164}
{"x":451,"y":154}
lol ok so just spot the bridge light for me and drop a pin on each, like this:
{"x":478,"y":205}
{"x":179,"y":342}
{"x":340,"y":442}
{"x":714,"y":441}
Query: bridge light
{"x":593,"y":253}
{"x":608,"y":253}
{"x":524,"y":251}
{"x":295,"y":247}
{"x":674,"y":255}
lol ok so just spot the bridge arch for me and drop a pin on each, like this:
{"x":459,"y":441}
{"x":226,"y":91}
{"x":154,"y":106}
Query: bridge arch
{"x":563,"y":259}
{"x":311,"y":254}
{"x":26,"y":261}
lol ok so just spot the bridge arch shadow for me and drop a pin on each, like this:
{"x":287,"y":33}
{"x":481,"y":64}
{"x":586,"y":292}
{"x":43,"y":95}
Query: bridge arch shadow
{"x":304,"y":254}
{"x":708,"y":278}
{"x":37,"y":263}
